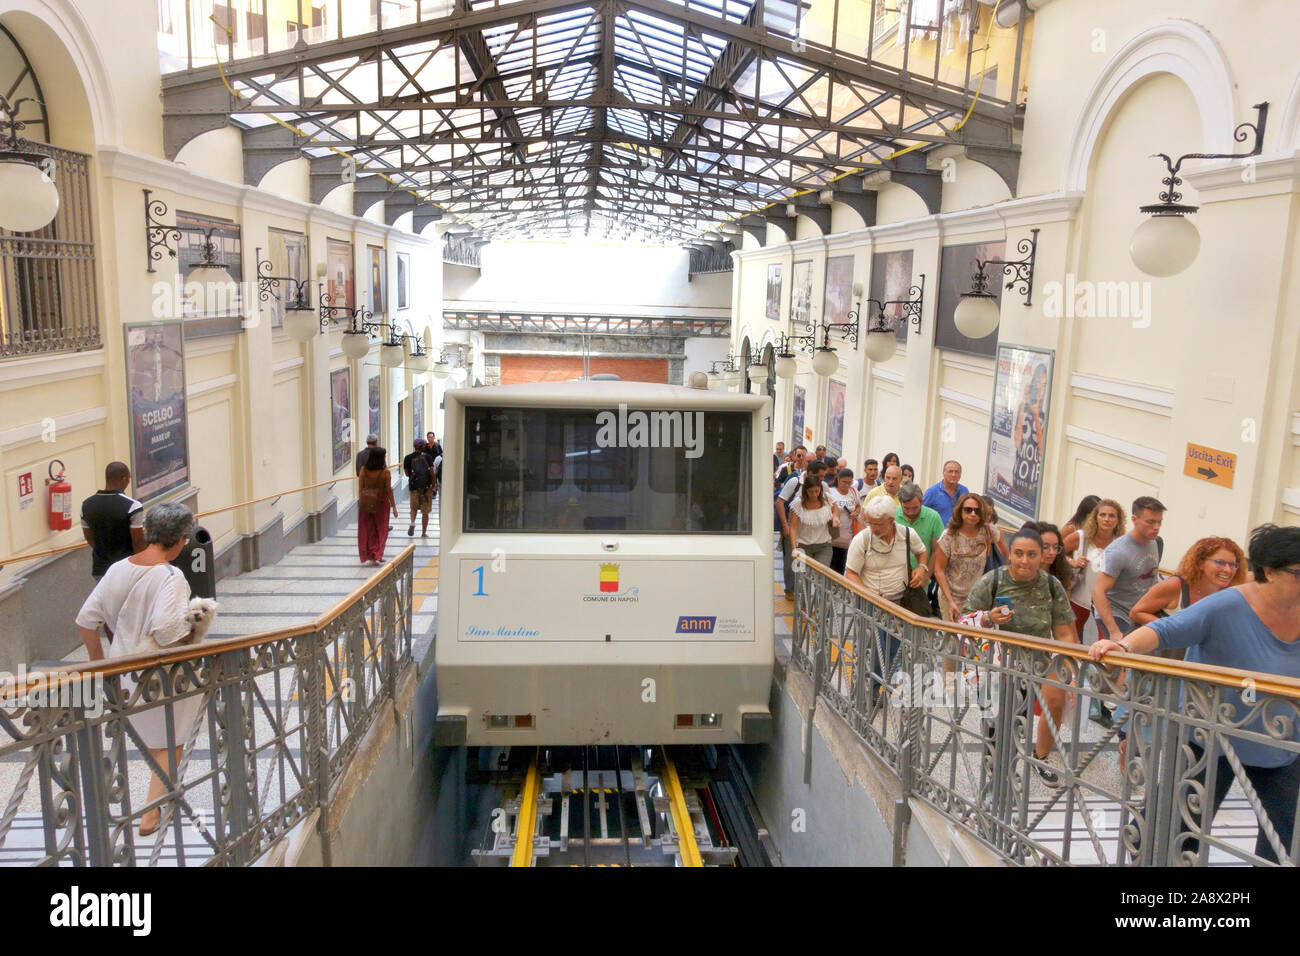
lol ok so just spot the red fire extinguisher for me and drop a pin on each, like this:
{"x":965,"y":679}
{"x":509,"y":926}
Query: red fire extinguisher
{"x":60,"y":498}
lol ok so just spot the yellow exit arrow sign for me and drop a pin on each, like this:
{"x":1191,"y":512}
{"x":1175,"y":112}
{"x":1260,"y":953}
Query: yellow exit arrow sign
{"x":1214,"y":465}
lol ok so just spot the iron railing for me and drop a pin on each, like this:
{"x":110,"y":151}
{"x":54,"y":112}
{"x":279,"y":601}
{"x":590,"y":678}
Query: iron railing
{"x":462,"y":250}
{"x":257,"y":731}
{"x":585,"y":324}
{"x":953,"y":713}
{"x":47,"y":278}
{"x":716,"y":258}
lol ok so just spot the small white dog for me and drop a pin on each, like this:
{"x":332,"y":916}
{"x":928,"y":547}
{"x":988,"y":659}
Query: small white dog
{"x":202,"y":612}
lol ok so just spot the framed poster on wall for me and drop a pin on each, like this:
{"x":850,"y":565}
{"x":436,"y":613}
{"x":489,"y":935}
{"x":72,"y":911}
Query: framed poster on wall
{"x":773,"y":310}
{"x":835,"y":419}
{"x":798,"y":416}
{"x":341,"y":415}
{"x":838,"y":300}
{"x":956,"y":266}
{"x":287,"y":253}
{"x":801,"y":277}
{"x":155,"y":387}
{"x":372,"y":392}
{"x":378,"y":278}
{"x":417,"y":410}
{"x":1022,"y":387}
{"x":403,"y":280}
{"x":341,"y":284}
{"x":219,"y":311}
{"x":891,"y":280}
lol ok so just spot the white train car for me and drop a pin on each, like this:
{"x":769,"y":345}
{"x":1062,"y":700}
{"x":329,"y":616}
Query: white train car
{"x":606,"y":566}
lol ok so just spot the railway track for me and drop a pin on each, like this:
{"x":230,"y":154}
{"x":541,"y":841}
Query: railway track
{"x":619,"y":806}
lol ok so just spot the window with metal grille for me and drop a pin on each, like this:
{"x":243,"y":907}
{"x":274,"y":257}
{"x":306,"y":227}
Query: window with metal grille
{"x":47,"y":278}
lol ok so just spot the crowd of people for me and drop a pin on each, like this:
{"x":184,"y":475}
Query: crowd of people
{"x":1095,"y":580}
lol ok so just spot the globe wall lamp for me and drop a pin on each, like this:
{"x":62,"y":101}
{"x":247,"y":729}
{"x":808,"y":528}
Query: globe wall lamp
{"x":1167,"y":243}
{"x":882,"y":341}
{"x":825,"y":360}
{"x":31,"y":199}
{"x":757,"y":370}
{"x":299,"y":322}
{"x":977,"y":313}
{"x":724,"y":372}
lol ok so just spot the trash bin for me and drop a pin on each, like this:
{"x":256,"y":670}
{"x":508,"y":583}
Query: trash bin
{"x":196,"y":562}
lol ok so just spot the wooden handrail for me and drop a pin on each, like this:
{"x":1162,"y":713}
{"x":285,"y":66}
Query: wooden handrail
{"x":14,"y":558}
{"x":1226,"y":676}
{"x":132,"y":662}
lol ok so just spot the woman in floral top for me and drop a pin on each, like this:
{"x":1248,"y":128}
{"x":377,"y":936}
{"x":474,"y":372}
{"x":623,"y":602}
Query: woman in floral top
{"x":960,"y":554}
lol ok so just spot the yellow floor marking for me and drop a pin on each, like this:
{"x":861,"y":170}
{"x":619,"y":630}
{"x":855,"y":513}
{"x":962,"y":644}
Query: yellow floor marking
{"x":425,"y":586}
{"x":427,"y":573}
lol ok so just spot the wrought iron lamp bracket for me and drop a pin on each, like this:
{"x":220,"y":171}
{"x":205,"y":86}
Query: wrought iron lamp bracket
{"x":909,"y":313}
{"x":156,"y":232}
{"x":1170,"y":199}
{"x":1020,"y":272}
{"x":298,"y":299}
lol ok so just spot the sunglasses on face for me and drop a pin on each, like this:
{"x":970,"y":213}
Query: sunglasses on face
{"x":970,"y":511}
{"x":1294,"y":572}
{"x":1233,"y":565}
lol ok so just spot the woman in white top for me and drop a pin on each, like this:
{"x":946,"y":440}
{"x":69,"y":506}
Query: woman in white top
{"x":144,"y":602}
{"x":1086,"y":546}
{"x":847,"y":506}
{"x":812,"y":519}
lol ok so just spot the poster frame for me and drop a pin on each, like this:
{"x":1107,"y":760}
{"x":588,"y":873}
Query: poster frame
{"x":1004,"y":359}
{"x":835,"y":424}
{"x":773,"y":307}
{"x":340,"y":442}
{"x":801,"y":282}
{"x":798,"y":414}
{"x":182,"y":478}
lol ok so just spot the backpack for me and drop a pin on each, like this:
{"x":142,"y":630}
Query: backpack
{"x":421,"y":476}
{"x":368,"y":497}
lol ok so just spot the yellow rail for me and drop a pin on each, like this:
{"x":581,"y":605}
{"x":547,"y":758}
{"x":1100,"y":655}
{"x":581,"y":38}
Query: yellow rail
{"x":690,"y":851}
{"x":525,"y":830}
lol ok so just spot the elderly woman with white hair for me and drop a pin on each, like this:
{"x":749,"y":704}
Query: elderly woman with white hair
{"x":144,"y":601}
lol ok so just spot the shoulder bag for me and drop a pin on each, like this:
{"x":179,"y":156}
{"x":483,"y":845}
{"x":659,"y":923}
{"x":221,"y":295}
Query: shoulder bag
{"x":913,"y":599}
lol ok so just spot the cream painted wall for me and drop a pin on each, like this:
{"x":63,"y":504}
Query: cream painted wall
{"x":1213,"y":359}
{"x":258,"y":410}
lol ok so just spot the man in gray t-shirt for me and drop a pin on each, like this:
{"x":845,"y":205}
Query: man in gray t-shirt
{"x":1128,"y":569}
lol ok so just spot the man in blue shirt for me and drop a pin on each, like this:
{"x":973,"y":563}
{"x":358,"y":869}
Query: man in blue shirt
{"x":942,"y":495}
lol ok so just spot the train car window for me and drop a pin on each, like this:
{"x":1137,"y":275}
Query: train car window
{"x":555,"y":470}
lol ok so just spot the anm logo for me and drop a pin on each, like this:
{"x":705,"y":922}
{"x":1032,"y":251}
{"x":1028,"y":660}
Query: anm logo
{"x":695,"y":625}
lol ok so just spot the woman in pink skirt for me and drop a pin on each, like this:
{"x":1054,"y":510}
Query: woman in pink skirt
{"x":374,"y":504}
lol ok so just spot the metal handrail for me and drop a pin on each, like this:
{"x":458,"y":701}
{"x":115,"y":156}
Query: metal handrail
{"x":40,"y":680}
{"x":49,"y":552}
{"x":250,"y":736}
{"x":1193,"y":670}
{"x":952,"y":710}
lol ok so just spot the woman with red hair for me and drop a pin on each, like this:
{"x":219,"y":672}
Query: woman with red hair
{"x":1209,"y":565}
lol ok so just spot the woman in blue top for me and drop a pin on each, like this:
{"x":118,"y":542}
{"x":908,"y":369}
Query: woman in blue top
{"x":1255,"y":627}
